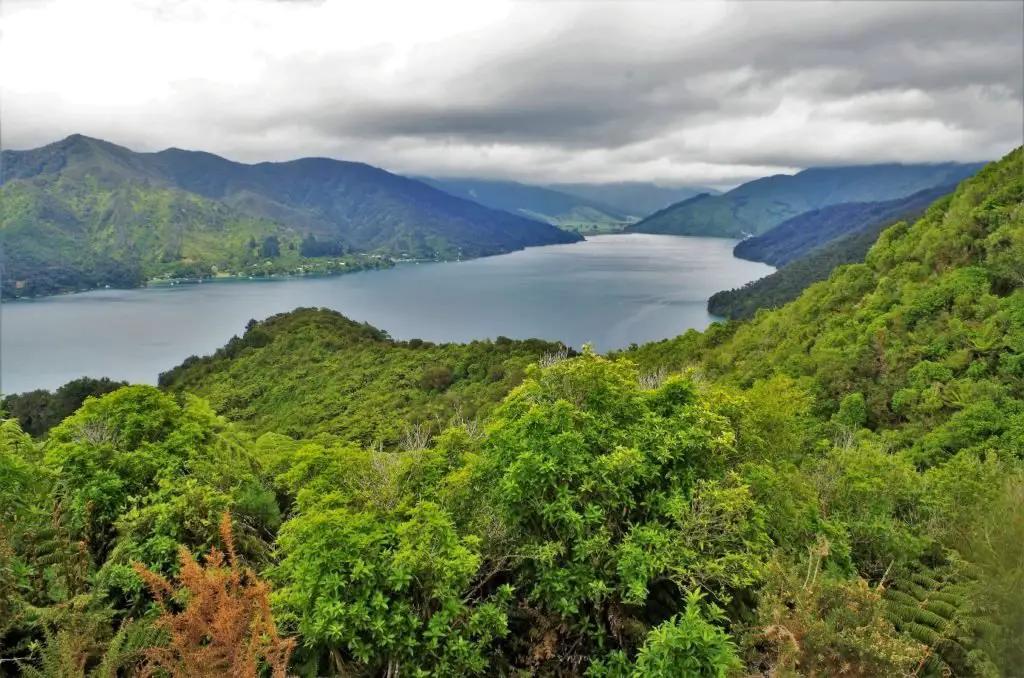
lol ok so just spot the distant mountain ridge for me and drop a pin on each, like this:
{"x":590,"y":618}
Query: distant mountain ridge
{"x":83,"y":208}
{"x":635,"y":198}
{"x":804,"y":233}
{"x":758,"y":206}
{"x":803,"y":262}
{"x":533,"y":202}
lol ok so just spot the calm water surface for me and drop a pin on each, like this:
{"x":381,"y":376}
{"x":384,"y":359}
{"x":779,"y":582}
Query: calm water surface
{"x":610,"y":290}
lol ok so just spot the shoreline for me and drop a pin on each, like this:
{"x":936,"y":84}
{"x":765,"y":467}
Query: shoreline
{"x":268,"y":277}
{"x":174,"y":282}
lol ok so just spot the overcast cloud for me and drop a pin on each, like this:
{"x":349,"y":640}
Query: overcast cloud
{"x":675,"y":92}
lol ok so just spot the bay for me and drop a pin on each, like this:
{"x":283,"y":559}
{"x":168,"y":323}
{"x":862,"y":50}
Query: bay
{"x":610,"y":290}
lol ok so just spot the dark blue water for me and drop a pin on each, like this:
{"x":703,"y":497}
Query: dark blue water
{"x":610,"y":290}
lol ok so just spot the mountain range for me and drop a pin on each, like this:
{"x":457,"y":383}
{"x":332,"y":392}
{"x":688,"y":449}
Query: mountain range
{"x":534,"y":202}
{"x":84,"y":212}
{"x":858,"y":225}
{"x":807,"y":232}
{"x":569,"y":205}
{"x":635,"y":198}
{"x":758,"y":206}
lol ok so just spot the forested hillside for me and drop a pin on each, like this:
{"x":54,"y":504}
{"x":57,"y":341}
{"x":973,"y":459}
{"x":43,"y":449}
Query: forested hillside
{"x":835,"y":488}
{"x":758,"y":206}
{"x":788,"y":283}
{"x":84,"y":213}
{"x":862,"y":223}
{"x":940,"y":296}
{"x":365,"y":207}
{"x":807,"y":232}
{"x":314,"y":371}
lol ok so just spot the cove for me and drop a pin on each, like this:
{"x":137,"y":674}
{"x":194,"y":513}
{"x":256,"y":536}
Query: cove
{"x":609,"y":290}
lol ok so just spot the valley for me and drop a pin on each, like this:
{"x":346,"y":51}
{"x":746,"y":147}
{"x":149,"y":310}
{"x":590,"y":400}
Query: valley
{"x":658,"y":370}
{"x":845,"y":468}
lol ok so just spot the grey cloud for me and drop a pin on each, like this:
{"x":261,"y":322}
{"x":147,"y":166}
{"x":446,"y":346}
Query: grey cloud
{"x":570,"y":92}
{"x":617,"y":90}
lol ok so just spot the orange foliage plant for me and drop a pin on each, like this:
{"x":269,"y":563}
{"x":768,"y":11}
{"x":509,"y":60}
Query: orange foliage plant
{"x":225,"y":627}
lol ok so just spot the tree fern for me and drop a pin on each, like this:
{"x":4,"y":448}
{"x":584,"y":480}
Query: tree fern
{"x":936,"y":608}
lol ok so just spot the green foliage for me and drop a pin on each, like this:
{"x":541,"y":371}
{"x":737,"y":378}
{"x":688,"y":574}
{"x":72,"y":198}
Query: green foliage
{"x":687,"y":645}
{"x":79,"y":642}
{"x":809,"y":254}
{"x":141,"y":473}
{"x":386,"y":591}
{"x":840,"y":479}
{"x":811,"y":231}
{"x":941,"y":611}
{"x":995,"y":547}
{"x":39,"y":411}
{"x":940,"y":292}
{"x":616,"y":500}
{"x":314,"y":371}
{"x":874,"y":495}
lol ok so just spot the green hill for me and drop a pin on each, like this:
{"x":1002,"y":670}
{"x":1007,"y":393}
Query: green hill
{"x":809,"y":249}
{"x":789,"y":282}
{"x":805,"y":233}
{"x":84,"y":213}
{"x":758,"y":206}
{"x":314,"y":371}
{"x":368,"y":209}
{"x":535,"y":202}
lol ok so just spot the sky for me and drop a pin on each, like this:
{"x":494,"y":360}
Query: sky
{"x":542,"y":91}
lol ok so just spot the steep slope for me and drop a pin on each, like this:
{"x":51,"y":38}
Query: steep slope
{"x":367,"y":208}
{"x":796,"y":247}
{"x":789,"y":282}
{"x":534,"y":202}
{"x":758,"y":206}
{"x":929,"y":328}
{"x":801,"y":235}
{"x":635,"y":198}
{"x":83,"y":213}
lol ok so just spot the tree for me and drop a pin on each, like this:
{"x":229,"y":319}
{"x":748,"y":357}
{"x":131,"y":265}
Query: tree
{"x":687,"y":645}
{"x":617,"y":503}
{"x":385,"y":592}
{"x":141,"y":473}
{"x":271,"y":248}
{"x":437,"y":378}
{"x":40,"y":410}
